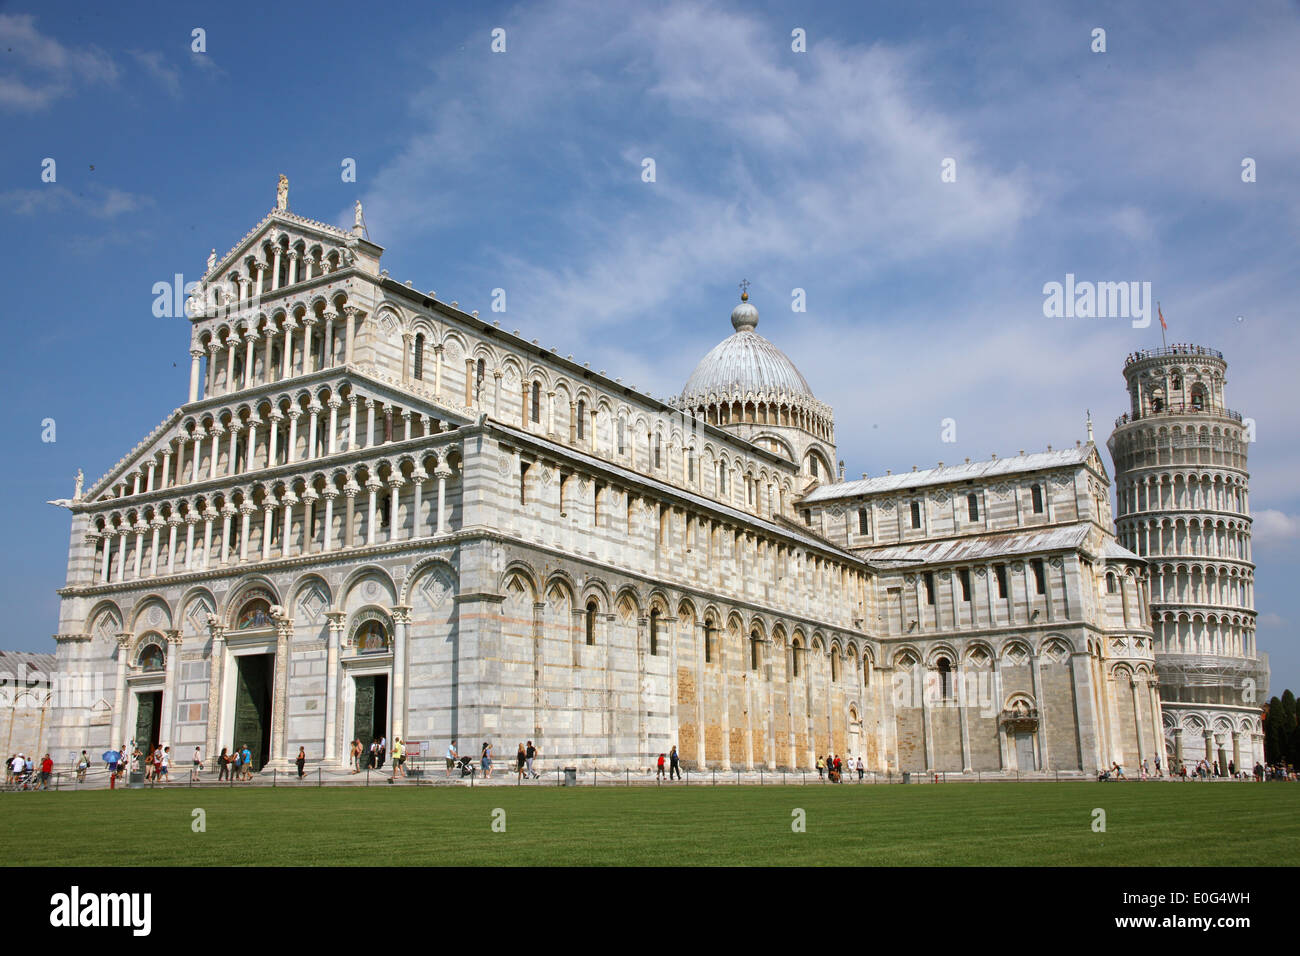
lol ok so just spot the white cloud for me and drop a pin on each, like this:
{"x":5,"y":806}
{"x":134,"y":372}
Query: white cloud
{"x":49,"y":69}
{"x":166,"y":75}
{"x":1271,"y":526}
{"x":102,"y":203}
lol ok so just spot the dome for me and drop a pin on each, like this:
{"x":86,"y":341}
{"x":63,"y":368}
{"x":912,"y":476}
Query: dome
{"x":745,"y":363}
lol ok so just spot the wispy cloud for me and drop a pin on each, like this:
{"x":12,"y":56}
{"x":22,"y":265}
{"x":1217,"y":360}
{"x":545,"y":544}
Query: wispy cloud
{"x":45,"y":69}
{"x":165,"y":74}
{"x":101,"y":203}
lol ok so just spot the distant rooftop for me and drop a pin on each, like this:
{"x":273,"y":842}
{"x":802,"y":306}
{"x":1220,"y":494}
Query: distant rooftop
{"x":19,"y":664}
{"x":1038,"y":461}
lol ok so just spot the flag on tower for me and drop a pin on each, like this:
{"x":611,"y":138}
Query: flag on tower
{"x":1162,"y":317}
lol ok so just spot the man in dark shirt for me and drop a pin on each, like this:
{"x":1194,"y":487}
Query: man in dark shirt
{"x":674,"y":765}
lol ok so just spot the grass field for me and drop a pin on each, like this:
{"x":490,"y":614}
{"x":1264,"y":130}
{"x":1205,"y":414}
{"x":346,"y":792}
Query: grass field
{"x":998,"y":824}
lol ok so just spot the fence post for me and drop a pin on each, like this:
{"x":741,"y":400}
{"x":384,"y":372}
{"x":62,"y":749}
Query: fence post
{"x":274,"y":777}
{"x":715,"y":776}
{"x":318,"y":776}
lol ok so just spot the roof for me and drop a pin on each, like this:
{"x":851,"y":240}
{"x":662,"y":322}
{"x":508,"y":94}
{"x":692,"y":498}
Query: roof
{"x":980,"y":547}
{"x":1039,"y":461}
{"x":21,"y":663}
{"x":745,"y":363}
{"x":1113,"y":550}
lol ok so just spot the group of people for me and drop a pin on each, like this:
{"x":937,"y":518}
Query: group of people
{"x":233,"y":765}
{"x":362,"y":757}
{"x":24,"y":773}
{"x":832,"y":767}
{"x":674,"y":766}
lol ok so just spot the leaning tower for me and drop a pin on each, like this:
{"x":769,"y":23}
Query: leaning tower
{"x":1184,"y":505}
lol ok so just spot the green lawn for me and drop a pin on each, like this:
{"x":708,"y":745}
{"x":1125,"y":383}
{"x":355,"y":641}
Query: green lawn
{"x":999,"y":824}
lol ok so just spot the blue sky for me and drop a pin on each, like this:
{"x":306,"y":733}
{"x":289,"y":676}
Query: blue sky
{"x":818,"y":170}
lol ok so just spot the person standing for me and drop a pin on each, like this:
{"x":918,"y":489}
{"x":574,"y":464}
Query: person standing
{"x":659,"y":775}
{"x":861,"y":768}
{"x":301,"y":762}
{"x":165,"y":763}
{"x":381,"y":753}
{"x":674,"y":764}
{"x":246,"y":757}
{"x":223,"y":765}
{"x":451,"y":757}
{"x":198,"y":766}
{"x":821,"y":767}
{"x":485,"y":760}
{"x":47,"y":771}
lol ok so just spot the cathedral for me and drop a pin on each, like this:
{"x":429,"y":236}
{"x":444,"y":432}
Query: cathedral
{"x":378,"y":514}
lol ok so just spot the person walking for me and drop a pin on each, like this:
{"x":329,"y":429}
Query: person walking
{"x":223,"y":765}
{"x":165,"y":764}
{"x":674,"y":764}
{"x":452,"y":756}
{"x":301,"y":761}
{"x":381,"y":753}
{"x":198,"y":766}
{"x":246,"y":758}
{"x":47,"y":771}
{"x":83,"y":764}
{"x":521,"y":760}
{"x":399,"y":759}
{"x":530,"y":753}
{"x":485,"y":760}
{"x":821,"y":767}
{"x":659,"y":775}
{"x":861,"y":768}
{"x":355,"y":759}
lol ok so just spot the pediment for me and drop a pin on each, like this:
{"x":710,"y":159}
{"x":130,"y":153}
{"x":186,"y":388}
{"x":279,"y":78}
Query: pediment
{"x":289,"y":232}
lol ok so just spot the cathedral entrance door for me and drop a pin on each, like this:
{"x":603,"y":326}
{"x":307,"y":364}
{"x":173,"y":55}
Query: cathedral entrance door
{"x":253,"y":706}
{"x":1025,"y":752}
{"x":370,"y":713}
{"x":148,"y":720}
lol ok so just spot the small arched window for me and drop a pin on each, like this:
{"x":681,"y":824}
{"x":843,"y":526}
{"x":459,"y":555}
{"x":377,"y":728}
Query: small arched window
{"x":658,"y":444}
{"x":480,"y":374}
{"x":944,"y":667}
{"x":654,"y":632}
{"x":1036,"y":492}
{"x":537,"y":402}
{"x":591,"y":623}
{"x":582,"y":416}
{"x":835,"y":664}
{"x":708,"y":643}
{"x":973,"y":506}
{"x":916,"y":514}
{"x":419,"y":355}
{"x":864,"y":521}
{"x":152,"y":658}
{"x":754,"y":655}
{"x":1110,"y":584}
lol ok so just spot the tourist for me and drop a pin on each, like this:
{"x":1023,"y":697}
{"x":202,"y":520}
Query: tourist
{"x":821,"y":767}
{"x":1232,"y":768}
{"x":236,"y":765}
{"x":1159,"y":773}
{"x":355,"y":758}
{"x":197,"y":766}
{"x":246,"y":758}
{"x":302,"y":762}
{"x":861,"y":769}
{"x":372,"y":754}
{"x":83,"y":764}
{"x":9,"y":770}
{"x":399,"y":759}
{"x":451,"y":756}
{"x":1145,"y":771}
{"x":530,"y":752}
{"x":47,"y":771}
{"x":1118,"y":771}
{"x":223,"y":766}
{"x":485,"y":760}
{"x":165,"y":763}
{"x":1259,"y":772}
{"x":662,"y":761}
{"x":674,"y":764}
{"x":381,"y":753}
{"x":521,"y":758}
